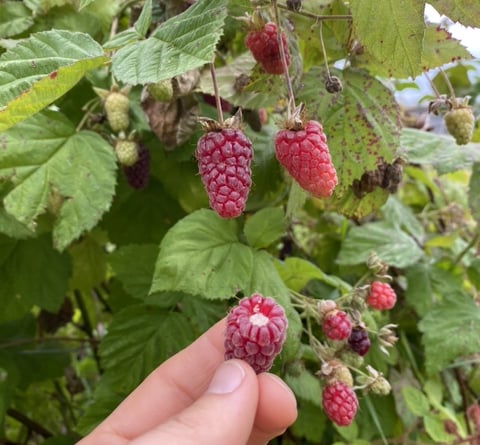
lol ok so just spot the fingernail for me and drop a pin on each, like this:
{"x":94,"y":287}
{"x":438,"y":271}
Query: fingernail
{"x":227,"y":378}
{"x":281,"y":383}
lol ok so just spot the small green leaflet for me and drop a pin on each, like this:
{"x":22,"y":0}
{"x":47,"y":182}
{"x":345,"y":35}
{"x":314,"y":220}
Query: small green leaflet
{"x":265,"y":226}
{"x":15,"y":18}
{"x":184,"y":42}
{"x":46,"y":152}
{"x":41,"y":69}
{"x":391,"y":244}
{"x":450,"y":331}
{"x":31,"y":273}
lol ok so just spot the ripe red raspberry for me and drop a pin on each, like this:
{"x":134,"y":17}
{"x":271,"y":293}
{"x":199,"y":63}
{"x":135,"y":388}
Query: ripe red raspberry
{"x":339,"y":403}
{"x":224,"y":158}
{"x":337,"y":325}
{"x":304,"y":153}
{"x":137,"y":174}
{"x":256,"y":331}
{"x":359,"y":341}
{"x":381,"y":296}
{"x":263,"y":44}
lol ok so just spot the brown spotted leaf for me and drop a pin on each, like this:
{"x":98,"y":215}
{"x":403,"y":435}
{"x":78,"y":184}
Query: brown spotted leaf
{"x":467,"y":12}
{"x":439,"y":48}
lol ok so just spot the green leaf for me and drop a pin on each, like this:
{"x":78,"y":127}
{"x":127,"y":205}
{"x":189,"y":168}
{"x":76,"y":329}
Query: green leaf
{"x":84,"y":3}
{"x":143,"y":22}
{"x":140,"y":338}
{"x":416,"y":401}
{"x":104,"y":400}
{"x":465,"y":11}
{"x":133,"y":266}
{"x":435,"y":428}
{"x":45,"y":153}
{"x":297,"y":272}
{"x":41,"y":69}
{"x":439,"y":48}
{"x":305,"y":386}
{"x":15,"y":18}
{"x":395,"y":40}
{"x":265,"y":227}
{"x":310,"y":423}
{"x":184,"y":42}
{"x":391,"y":244}
{"x":13,"y":228}
{"x":202,"y":255}
{"x":427,"y":148}
{"x":121,"y":39}
{"x":31,"y":273}
{"x":89,"y":262}
{"x":419,"y":293}
{"x":141,"y":216}
{"x":402,"y":216}
{"x":474,"y":192}
{"x":362,"y":124}
{"x":450,"y":331}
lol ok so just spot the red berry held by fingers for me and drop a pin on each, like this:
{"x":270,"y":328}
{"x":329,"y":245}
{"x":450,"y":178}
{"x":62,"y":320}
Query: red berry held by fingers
{"x":381,"y":296}
{"x":263,"y":44}
{"x":339,"y":403}
{"x":224,"y":156}
{"x":304,"y":154}
{"x":256,"y":331}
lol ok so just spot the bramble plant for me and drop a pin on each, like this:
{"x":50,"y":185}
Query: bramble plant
{"x":316,"y":198}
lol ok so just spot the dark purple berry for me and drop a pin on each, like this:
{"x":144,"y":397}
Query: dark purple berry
{"x":137,"y":175}
{"x":359,"y":341}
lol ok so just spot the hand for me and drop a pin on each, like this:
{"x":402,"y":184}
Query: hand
{"x":195,"y":398}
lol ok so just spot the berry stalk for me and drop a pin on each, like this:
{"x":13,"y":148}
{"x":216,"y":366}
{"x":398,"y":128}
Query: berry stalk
{"x":218,"y":101}
{"x":283,"y":58}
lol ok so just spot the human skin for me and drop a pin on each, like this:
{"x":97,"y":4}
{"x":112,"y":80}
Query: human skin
{"x":196,"y":397}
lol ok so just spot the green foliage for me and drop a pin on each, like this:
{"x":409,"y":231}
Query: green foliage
{"x":100,"y":283}
{"x":58,"y":159}
{"x":186,"y":42}
{"x":50,"y":63}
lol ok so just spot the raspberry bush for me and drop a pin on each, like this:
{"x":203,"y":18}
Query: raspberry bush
{"x":323,"y":192}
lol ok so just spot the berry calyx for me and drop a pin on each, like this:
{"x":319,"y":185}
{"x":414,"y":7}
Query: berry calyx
{"x":263,"y":44}
{"x":304,"y":154}
{"x":137,"y":175}
{"x":359,"y":340}
{"x":460,"y":123}
{"x":256,"y":331}
{"x":381,"y":296}
{"x":337,"y":325}
{"x":224,"y":155}
{"x":339,"y":403}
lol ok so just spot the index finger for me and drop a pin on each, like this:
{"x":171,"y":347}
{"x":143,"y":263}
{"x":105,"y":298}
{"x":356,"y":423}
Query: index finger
{"x":170,"y":388}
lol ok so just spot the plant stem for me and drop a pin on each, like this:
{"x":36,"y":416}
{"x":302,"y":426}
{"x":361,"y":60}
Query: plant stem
{"x":29,"y":423}
{"x":447,"y":81}
{"x":434,"y":88}
{"x":459,"y":257}
{"x":318,"y":17}
{"x":28,"y":341}
{"x":218,"y":101}
{"x":288,"y":81}
{"x":324,"y":51}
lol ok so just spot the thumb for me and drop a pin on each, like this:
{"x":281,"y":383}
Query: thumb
{"x":224,"y":414}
